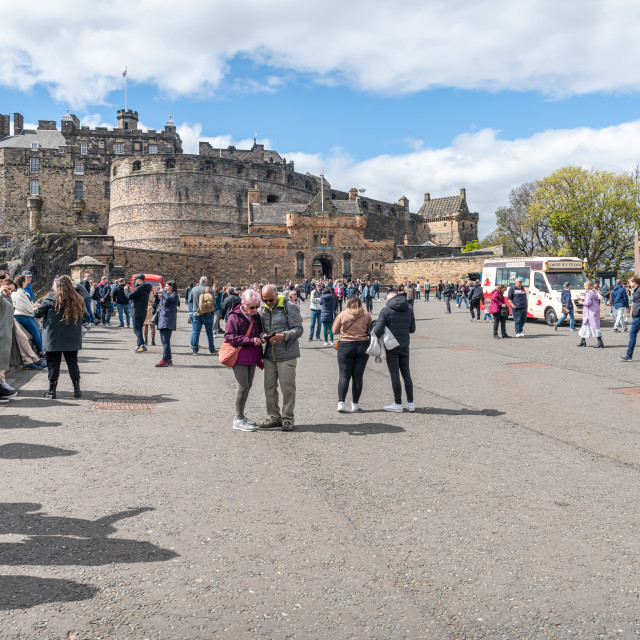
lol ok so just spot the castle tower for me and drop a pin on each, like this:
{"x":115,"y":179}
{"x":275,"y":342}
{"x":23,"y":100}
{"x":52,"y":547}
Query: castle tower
{"x":127,"y":120}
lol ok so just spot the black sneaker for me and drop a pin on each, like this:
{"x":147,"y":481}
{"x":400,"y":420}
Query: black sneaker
{"x":5,"y":393}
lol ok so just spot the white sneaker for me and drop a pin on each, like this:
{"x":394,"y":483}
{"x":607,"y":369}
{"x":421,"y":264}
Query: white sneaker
{"x":331,"y":344}
{"x":396,"y":408}
{"x":522,"y":334}
{"x":251,"y":423}
{"x":355,"y":406}
{"x":341,"y":407}
{"x":242,"y":425}
{"x":411,"y":406}
{"x":518,"y":335}
{"x":326,"y":344}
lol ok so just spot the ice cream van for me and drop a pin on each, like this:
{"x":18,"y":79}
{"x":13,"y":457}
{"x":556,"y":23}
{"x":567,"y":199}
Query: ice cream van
{"x":543,"y":278}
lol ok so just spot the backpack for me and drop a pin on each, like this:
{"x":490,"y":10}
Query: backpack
{"x":205,"y":302}
{"x":478,"y":293}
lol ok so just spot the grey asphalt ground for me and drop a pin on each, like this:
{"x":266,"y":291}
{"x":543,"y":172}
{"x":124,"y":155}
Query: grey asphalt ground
{"x":505,"y":507}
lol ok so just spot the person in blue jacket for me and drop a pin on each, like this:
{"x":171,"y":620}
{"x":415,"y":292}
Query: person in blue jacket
{"x":567,"y":303}
{"x":620,"y":304}
{"x":327,"y":315}
{"x":167,"y":316}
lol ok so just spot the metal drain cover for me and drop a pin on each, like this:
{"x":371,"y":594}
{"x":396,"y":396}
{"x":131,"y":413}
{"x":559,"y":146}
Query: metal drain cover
{"x":117,"y":404}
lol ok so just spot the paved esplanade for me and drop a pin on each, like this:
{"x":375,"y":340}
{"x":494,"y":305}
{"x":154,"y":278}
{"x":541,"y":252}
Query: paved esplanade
{"x":506,"y":506}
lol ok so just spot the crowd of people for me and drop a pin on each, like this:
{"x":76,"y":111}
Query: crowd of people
{"x":262,"y":328}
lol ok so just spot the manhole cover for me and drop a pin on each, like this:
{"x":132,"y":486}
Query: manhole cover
{"x":526,"y":365}
{"x":116,"y":404}
{"x":630,"y":391}
{"x":462,"y":348}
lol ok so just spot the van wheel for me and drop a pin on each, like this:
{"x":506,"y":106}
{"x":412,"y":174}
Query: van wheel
{"x":550,"y":317}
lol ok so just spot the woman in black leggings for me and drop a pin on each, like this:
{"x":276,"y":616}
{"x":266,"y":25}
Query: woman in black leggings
{"x":353,"y":325}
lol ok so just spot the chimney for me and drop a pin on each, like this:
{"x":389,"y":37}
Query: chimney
{"x":404,"y":202}
{"x":427,"y":197}
{"x":463,"y":194}
{"x":18,"y":124}
{"x":353,"y":193}
{"x":5,"y":126}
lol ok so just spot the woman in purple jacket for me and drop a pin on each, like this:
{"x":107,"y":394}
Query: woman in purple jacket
{"x":243,"y":329}
{"x":590,"y":317}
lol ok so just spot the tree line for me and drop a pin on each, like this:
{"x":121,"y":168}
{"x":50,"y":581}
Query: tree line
{"x":587,"y":213}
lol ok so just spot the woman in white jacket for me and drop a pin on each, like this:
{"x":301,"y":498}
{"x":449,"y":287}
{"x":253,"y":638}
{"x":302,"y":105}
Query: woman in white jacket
{"x":24,"y":313}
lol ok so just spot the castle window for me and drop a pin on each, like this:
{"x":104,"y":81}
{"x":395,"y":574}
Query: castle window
{"x":107,"y":189}
{"x":168,"y":148}
{"x":333,"y":196}
{"x":239,"y":170}
{"x":289,"y":179}
{"x":153,"y":149}
{"x":78,"y":189}
{"x":136,"y":165}
{"x":34,"y":187}
{"x":272,"y":198}
{"x":299,"y":263}
{"x":307,"y":184}
{"x":118,"y":148}
{"x":34,"y":146}
{"x":315,"y":240}
{"x":100,"y":144}
{"x":171,"y":164}
{"x":463,"y":225}
{"x":79,"y":169}
{"x":60,"y":149}
{"x":114,"y":172}
{"x":392,"y":212}
{"x":208,"y":166}
{"x":269,"y":175}
{"x":126,"y":125}
{"x":365,"y":204}
{"x":379,"y":208}
{"x":34,"y":165}
{"x":93,"y":217}
{"x":83,"y":148}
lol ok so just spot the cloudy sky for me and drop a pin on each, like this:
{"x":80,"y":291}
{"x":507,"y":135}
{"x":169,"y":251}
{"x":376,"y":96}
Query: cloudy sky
{"x":400,"y":98}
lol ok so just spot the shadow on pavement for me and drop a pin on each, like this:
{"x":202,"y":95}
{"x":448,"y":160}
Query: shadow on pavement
{"x":459,"y":412}
{"x":24,"y":451}
{"x":365,"y":429}
{"x":22,"y":592}
{"x":24,"y":422}
{"x":35,"y":399}
{"x":61,"y":541}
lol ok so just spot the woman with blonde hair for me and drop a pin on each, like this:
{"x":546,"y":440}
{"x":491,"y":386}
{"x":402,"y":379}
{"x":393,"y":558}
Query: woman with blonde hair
{"x":590,"y":317}
{"x":62,"y":312}
{"x":353,"y":324}
{"x":243,"y":329}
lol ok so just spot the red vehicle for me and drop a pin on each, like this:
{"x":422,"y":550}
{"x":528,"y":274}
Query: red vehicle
{"x":153,"y":279}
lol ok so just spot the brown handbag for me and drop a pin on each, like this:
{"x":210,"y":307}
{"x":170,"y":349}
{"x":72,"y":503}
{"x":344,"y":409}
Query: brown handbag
{"x":228,"y":354}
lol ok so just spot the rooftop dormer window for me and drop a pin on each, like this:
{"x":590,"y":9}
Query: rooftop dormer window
{"x":34,"y":146}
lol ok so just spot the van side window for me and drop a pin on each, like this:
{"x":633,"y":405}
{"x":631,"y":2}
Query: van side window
{"x":508,"y":276}
{"x":539,"y":282}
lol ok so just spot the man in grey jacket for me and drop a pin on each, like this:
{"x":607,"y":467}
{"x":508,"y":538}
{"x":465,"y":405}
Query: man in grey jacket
{"x":282,"y":328}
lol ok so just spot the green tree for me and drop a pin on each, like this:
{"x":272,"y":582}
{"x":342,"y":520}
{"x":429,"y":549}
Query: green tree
{"x":591,"y":213}
{"x":472,"y":245}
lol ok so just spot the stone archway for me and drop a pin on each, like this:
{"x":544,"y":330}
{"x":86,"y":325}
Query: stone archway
{"x":323,"y":265}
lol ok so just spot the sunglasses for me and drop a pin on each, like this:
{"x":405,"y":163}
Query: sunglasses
{"x":256,"y":307}
{"x":268,"y":299}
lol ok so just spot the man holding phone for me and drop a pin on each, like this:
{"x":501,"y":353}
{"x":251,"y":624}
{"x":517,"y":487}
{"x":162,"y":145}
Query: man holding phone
{"x":282,"y":328}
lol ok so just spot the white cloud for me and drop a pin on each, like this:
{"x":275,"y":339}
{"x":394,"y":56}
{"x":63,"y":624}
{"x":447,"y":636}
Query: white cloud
{"x":481,"y":162}
{"x":191,"y":135}
{"x":79,"y":50}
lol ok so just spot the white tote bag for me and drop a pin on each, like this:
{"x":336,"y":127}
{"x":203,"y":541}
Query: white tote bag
{"x":390,"y":342}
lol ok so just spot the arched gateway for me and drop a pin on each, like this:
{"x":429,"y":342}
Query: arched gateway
{"x":323,"y":265}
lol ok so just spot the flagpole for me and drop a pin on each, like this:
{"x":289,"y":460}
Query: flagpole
{"x":126,"y":77}
{"x":321,"y":182}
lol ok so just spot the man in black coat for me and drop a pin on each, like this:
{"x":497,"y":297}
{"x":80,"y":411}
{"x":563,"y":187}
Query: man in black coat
{"x":122,"y":302}
{"x":229,"y":302}
{"x":140,"y":298}
{"x":398,"y":317}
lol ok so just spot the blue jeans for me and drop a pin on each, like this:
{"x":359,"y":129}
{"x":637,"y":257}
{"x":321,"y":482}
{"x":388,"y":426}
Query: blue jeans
{"x":315,"y":319}
{"x":137,"y":329}
{"x":198,"y":322}
{"x":98,"y":311}
{"x":106,"y":312}
{"x":89,"y":315}
{"x":124,"y":309}
{"x":32,"y":327}
{"x":519,"y":318}
{"x":165,"y":336}
{"x":633,"y":332}
{"x":571,"y":318}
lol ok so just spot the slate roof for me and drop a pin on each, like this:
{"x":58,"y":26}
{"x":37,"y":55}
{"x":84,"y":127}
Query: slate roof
{"x":275,"y":213}
{"x":45,"y":138}
{"x":439,"y":207}
{"x":346,"y":207}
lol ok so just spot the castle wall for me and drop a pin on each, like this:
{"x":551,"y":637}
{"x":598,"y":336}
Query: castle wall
{"x":151,"y":207}
{"x":454,"y":230}
{"x":454,"y":269}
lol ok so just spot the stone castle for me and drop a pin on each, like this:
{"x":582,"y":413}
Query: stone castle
{"x":138,"y":203}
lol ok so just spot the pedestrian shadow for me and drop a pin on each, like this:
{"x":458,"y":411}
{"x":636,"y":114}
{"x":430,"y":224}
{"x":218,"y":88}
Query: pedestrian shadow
{"x":38,"y":401}
{"x":459,"y":412}
{"x":363,"y":429}
{"x":62,"y":541}
{"x":25,"y":451}
{"x":24,"y":422}
{"x":22,"y":592}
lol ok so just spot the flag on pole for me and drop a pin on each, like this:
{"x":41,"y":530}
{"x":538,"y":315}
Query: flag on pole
{"x":124,"y":73}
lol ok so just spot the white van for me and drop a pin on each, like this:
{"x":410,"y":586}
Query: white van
{"x":544,"y":279}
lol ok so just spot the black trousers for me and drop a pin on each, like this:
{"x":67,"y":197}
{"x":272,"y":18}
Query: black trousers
{"x":352,"y":361}
{"x":398,"y":364}
{"x":369,"y":303}
{"x":475,"y":304}
{"x":498,"y":318}
{"x":54,"y":358}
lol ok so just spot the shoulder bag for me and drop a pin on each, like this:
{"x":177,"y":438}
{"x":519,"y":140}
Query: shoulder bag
{"x":228,"y":354}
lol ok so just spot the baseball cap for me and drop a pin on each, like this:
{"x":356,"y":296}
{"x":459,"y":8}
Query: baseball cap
{"x":139,"y":276}
{"x":27,"y":274}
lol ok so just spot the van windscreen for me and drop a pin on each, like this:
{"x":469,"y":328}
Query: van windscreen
{"x":509,"y":275}
{"x":557,"y":279}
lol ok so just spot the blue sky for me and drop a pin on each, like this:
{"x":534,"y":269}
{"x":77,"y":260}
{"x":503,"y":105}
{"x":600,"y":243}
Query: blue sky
{"x":399,"y":98}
